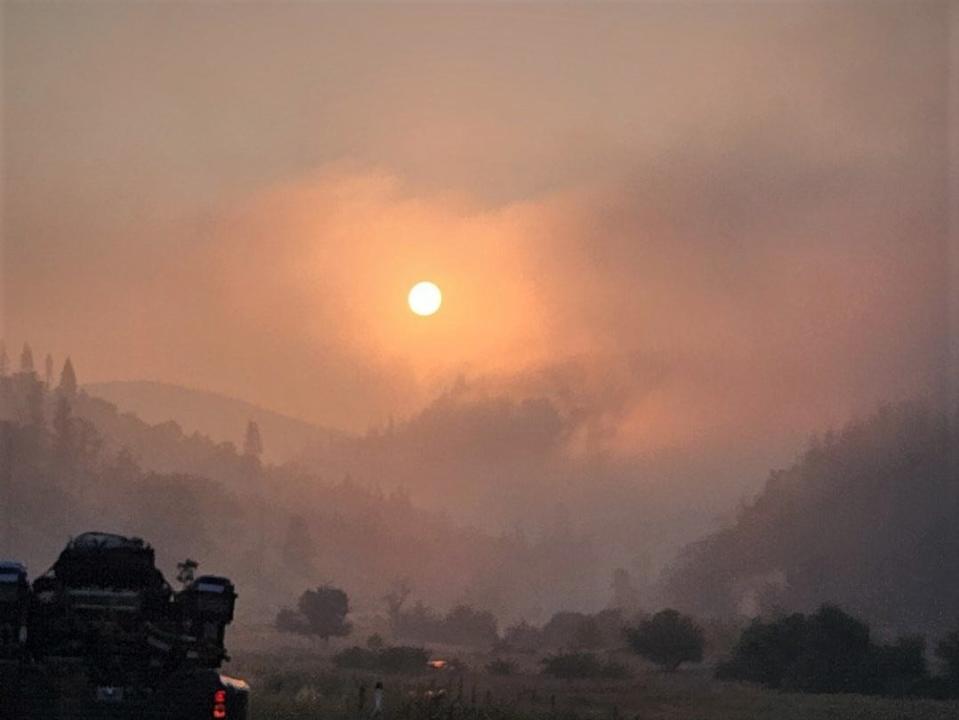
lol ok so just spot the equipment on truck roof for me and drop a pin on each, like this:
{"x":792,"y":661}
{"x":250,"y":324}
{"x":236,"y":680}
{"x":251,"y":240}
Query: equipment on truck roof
{"x":102,"y":630}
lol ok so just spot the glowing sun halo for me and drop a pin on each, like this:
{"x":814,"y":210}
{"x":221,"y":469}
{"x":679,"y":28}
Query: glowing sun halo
{"x":425,"y":298}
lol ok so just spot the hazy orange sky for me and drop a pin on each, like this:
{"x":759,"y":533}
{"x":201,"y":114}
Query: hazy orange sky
{"x":722,"y":217}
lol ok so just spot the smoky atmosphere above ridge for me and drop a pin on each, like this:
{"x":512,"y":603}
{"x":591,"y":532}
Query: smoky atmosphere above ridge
{"x":673,"y":241}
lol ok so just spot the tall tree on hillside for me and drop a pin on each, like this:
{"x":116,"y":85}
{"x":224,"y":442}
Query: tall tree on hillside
{"x":253,"y":443}
{"x":68,"y":379}
{"x":669,"y":639}
{"x":48,"y":371}
{"x":4,"y":360}
{"x":26,"y":359}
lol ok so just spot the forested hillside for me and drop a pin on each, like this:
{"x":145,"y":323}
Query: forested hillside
{"x":866,"y":518}
{"x":72,"y":462}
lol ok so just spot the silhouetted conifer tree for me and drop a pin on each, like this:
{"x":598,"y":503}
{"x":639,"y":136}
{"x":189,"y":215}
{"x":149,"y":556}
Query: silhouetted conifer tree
{"x":4,"y":360}
{"x":48,"y":371}
{"x":68,"y":379}
{"x":253,"y":443}
{"x":26,"y":359}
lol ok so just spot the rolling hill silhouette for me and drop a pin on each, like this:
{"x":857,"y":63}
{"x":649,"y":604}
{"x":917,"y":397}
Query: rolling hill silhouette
{"x":220,"y":417}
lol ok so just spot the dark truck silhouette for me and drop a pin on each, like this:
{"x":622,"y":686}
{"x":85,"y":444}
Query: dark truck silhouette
{"x":102,"y":635}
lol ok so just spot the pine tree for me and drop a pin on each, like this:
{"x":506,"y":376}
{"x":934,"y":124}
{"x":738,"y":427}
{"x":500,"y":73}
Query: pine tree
{"x":253,"y":443}
{"x":4,"y":360}
{"x":68,"y":379}
{"x":26,"y":359}
{"x":48,"y":371}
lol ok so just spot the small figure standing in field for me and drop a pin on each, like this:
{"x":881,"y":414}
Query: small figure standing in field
{"x":378,"y":700}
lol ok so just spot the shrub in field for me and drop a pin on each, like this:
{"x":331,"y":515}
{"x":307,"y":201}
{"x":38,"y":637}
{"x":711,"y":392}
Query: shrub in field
{"x":826,"y":652}
{"x":766,"y":651}
{"x":321,"y":613}
{"x":523,"y":637}
{"x":668,"y":638}
{"x":898,"y":669}
{"x":835,"y":650}
{"x":499,"y":666}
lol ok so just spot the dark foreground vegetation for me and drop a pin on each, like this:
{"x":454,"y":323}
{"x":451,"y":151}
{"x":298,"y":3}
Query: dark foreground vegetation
{"x":832,"y":652}
{"x":300,"y":687}
{"x":828,"y":651}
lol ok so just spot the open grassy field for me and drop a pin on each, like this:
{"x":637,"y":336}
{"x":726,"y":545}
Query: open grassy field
{"x":286,"y":688}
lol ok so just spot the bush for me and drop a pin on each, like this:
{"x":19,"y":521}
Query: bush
{"x":500,"y":666}
{"x":765,"y":651}
{"x":668,"y":639}
{"x":898,"y":669}
{"x":321,"y":613}
{"x":523,"y":637}
{"x":835,"y":649}
{"x":827,"y":652}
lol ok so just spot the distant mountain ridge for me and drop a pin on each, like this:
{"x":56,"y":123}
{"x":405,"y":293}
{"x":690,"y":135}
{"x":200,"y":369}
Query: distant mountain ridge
{"x":221,"y":417}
